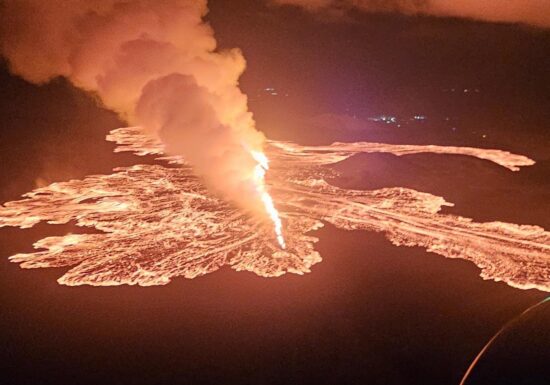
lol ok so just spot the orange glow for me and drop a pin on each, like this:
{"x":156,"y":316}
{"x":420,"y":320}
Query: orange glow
{"x":160,"y":222}
{"x":259,"y":179}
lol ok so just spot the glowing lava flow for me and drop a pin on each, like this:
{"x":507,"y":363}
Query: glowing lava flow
{"x":259,"y":178}
{"x":157,"y":222}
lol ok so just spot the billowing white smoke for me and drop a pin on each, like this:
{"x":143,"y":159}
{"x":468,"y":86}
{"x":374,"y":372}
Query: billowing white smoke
{"x":185,"y":116}
{"x":154,"y":62}
{"x":533,"y":12}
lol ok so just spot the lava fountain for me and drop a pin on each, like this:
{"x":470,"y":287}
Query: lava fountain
{"x":259,"y":178}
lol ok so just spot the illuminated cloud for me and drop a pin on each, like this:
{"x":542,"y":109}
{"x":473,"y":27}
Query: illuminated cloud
{"x":532,"y":12}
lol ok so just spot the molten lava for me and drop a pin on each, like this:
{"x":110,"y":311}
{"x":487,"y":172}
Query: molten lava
{"x":259,"y":178}
{"x":161,"y":222}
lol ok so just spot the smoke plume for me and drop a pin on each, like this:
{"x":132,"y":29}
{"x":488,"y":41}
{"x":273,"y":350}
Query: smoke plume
{"x":532,"y":12}
{"x":154,"y":62}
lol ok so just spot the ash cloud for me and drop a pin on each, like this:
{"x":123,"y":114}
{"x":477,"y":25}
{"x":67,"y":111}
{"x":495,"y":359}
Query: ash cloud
{"x":532,"y":12}
{"x":154,"y":62}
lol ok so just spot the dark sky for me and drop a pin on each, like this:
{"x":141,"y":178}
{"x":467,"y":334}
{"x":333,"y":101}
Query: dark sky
{"x":389,"y":64}
{"x":370,"y":313}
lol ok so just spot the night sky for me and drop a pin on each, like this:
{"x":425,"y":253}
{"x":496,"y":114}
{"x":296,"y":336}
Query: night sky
{"x":370,"y":313}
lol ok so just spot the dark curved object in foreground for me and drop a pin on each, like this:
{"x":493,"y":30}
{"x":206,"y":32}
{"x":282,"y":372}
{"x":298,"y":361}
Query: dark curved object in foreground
{"x":518,"y":353}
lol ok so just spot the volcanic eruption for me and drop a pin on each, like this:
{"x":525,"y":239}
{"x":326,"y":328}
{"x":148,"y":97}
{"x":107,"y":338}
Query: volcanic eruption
{"x":156,"y":64}
{"x":161,"y":222}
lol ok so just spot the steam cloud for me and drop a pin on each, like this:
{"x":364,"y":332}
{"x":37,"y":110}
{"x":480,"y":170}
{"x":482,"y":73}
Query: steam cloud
{"x":532,"y":12}
{"x":154,"y":62}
